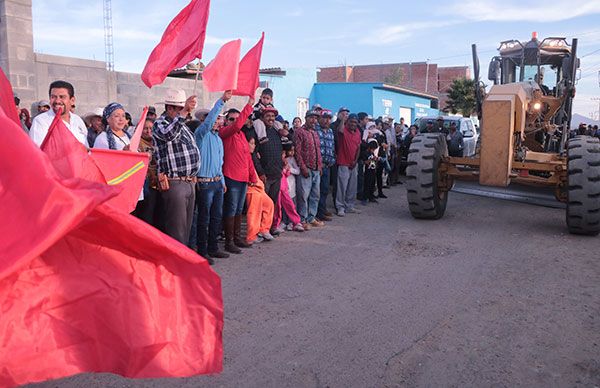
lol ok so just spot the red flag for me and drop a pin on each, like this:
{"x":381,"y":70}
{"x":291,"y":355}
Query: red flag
{"x":68,"y":156}
{"x":87,"y":288}
{"x":222,"y":72}
{"x":123,"y":169}
{"x":181,"y":43}
{"x":249,"y":68}
{"x":7,"y":99}
{"x":139,"y":128}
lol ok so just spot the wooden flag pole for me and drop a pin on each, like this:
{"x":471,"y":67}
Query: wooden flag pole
{"x":197,"y":74}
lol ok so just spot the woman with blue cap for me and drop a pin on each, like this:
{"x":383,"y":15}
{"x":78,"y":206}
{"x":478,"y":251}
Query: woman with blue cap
{"x":115,"y":136}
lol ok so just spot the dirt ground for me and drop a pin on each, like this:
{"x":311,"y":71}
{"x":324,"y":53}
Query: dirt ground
{"x":496,"y":294}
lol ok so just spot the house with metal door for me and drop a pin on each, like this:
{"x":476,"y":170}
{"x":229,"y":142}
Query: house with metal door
{"x":376,"y":99}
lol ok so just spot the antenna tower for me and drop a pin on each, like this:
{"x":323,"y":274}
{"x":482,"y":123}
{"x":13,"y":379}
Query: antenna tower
{"x":109,"y":53}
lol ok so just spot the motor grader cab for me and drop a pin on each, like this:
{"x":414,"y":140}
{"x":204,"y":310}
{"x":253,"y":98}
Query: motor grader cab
{"x":525,"y":137}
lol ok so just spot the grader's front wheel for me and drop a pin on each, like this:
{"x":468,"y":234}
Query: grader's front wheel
{"x":583,"y":191}
{"x":425,"y":200}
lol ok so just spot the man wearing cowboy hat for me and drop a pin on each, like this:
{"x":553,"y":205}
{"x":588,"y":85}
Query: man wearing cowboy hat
{"x":93,"y":120}
{"x":178,"y":164}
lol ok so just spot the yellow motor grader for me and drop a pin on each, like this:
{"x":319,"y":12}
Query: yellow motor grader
{"x":525,"y":137}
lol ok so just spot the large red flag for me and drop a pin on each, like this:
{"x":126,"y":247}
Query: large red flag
{"x":222,"y":72}
{"x":7,"y":99}
{"x":181,"y":43}
{"x":249,"y":67}
{"x":85,"y":287}
{"x":122,"y":169}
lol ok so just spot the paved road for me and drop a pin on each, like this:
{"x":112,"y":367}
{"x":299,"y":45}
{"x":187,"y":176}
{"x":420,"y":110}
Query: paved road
{"x":495,"y":294}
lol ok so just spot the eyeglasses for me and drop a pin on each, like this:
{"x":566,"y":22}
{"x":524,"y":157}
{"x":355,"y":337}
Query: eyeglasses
{"x":230,"y":119}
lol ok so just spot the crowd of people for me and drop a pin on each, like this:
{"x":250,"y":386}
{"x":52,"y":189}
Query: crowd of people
{"x":209,"y":167}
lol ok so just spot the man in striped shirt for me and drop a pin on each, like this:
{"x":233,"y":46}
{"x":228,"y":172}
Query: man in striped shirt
{"x":326,"y":137}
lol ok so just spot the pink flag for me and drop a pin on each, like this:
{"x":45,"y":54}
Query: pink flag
{"x":135,"y":139}
{"x":222,"y":72}
{"x":248,"y":73}
{"x":181,"y":43}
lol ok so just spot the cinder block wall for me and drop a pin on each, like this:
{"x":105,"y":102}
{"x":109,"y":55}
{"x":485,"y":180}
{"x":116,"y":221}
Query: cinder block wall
{"x":31,"y":73}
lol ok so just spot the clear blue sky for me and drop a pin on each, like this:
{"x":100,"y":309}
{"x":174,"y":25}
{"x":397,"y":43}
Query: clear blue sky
{"x":330,"y":32}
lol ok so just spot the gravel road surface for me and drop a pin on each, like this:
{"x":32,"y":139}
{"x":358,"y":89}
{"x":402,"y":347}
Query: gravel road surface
{"x":496,"y":294}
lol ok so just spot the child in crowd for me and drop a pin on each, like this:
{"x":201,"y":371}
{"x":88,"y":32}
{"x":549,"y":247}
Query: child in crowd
{"x":370,"y":159}
{"x":266,"y":101}
{"x":285,"y":203}
{"x":259,"y":215}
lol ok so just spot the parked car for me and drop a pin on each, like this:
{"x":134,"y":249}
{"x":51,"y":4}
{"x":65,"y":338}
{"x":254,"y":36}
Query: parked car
{"x":464,"y":124}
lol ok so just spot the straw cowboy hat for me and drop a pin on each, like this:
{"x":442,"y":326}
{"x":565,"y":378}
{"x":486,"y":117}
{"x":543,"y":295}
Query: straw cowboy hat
{"x":175,"y":97}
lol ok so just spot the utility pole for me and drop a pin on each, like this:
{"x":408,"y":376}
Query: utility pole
{"x":426,"y":75}
{"x":109,"y":54}
{"x":596,"y":99}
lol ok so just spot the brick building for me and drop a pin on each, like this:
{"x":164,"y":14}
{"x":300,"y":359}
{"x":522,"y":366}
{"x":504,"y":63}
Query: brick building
{"x":420,"y":76}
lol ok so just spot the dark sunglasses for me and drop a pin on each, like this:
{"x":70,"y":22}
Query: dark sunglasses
{"x":230,"y":119}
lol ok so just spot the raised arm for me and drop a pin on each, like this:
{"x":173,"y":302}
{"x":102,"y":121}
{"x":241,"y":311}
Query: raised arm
{"x":237,"y":125}
{"x":211,"y":118}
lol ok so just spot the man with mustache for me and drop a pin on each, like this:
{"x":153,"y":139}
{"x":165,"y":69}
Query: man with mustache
{"x":62,"y":96}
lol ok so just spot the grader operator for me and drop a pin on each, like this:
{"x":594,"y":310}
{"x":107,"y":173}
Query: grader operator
{"x":525,"y":137}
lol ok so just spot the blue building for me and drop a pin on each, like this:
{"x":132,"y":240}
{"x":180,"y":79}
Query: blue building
{"x":291,"y":89}
{"x":376,"y":99}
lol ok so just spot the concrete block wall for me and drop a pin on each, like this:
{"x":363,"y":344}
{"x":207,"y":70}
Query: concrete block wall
{"x":16,"y":46}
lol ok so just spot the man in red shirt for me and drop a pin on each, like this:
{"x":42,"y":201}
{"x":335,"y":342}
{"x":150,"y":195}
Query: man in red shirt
{"x":347,"y":149}
{"x":237,"y":172}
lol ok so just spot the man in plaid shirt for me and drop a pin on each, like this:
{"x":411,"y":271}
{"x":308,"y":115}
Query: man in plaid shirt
{"x":308,"y":156}
{"x":326,"y":137}
{"x":178,"y":163}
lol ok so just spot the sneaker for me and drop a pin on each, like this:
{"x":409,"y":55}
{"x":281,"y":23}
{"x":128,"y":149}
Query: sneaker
{"x":257,"y":240}
{"x":280,"y":229}
{"x":353,"y":210}
{"x":381,"y":195}
{"x":289,"y":227}
{"x":341,"y":213}
{"x":267,"y":236}
{"x":298,"y":228}
{"x":316,"y":223}
{"x":306,"y":225}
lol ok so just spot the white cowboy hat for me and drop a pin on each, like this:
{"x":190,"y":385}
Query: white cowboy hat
{"x":96,"y":112}
{"x":175,"y":97}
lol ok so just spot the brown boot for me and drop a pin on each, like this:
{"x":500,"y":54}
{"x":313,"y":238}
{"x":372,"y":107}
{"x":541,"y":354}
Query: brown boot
{"x":228,"y":227}
{"x":237,"y":233}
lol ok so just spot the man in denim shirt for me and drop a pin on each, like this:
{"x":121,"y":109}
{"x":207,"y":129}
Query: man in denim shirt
{"x":326,"y":137}
{"x":210,"y":187}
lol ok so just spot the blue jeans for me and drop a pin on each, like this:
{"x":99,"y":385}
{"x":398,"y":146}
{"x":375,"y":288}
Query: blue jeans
{"x":307,"y":198}
{"x":209,"y":200}
{"x":325,"y":182}
{"x":235,"y":197}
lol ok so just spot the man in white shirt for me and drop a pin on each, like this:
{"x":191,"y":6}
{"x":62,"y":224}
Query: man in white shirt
{"x":62,"y":96}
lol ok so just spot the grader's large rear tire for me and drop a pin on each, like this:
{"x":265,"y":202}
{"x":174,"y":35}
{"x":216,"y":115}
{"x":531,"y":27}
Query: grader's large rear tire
{"x":425,"y":200}
{"x":583,"y":191}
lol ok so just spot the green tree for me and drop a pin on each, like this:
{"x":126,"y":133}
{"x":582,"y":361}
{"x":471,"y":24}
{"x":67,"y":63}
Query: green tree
{"x":461,"y":97}
{"x":395,"y":77}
